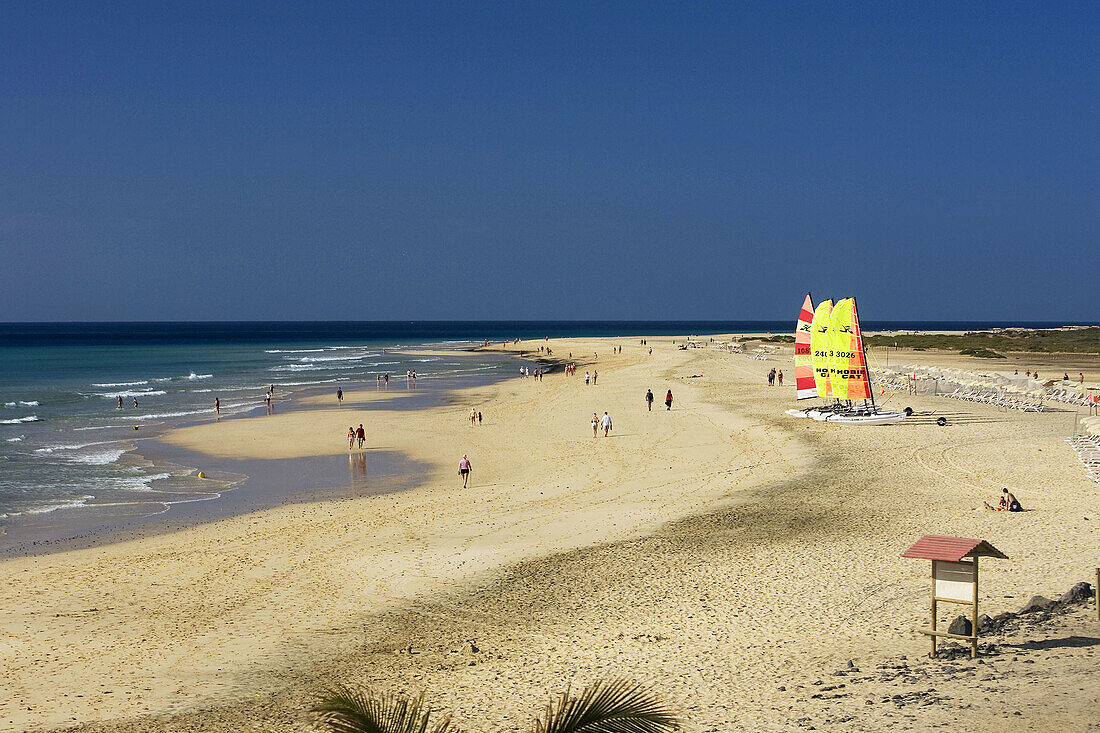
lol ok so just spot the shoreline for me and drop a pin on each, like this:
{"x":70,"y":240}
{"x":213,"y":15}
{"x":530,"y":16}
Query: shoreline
{"x":695,"y":551}
{"x":232,"y":485}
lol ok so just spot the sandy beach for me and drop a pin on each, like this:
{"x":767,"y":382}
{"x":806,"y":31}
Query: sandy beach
{"x":723,"y":553}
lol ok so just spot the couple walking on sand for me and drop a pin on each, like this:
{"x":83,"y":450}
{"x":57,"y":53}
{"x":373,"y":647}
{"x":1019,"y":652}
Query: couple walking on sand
{"x":601,"y":422}
{"x":354,"y":435}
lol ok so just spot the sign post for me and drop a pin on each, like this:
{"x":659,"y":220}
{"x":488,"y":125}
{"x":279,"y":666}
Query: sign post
{"x":954,"y":579}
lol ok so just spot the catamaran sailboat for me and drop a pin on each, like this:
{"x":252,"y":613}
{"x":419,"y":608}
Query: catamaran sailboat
{"x":830,"y":361}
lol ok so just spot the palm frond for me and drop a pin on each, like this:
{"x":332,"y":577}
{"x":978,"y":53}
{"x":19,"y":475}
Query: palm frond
{"x":347,"y":710}
{"x":610,"y":706}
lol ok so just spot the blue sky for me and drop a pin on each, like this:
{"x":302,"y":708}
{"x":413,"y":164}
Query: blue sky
{"x":406,"y":160}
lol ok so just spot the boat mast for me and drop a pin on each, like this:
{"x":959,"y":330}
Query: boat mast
{"x":863,"y":348}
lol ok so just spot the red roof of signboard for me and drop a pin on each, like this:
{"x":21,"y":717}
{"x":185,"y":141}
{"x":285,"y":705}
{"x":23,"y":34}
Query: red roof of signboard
{"x":953,"y":549}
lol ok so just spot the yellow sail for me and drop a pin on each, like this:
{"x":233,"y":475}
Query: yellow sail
{"x":820,"y":346}
{"x":840,"y":337}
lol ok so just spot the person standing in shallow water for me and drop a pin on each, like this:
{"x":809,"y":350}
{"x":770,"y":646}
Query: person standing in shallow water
{"x":339,"y":395}
{"x":464,"y":468}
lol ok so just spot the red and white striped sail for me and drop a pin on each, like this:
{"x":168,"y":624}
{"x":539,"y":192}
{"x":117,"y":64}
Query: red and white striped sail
{"x":803,"y":355}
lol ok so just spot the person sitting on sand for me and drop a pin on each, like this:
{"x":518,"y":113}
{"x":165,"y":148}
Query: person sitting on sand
{"x":1008,"y":503}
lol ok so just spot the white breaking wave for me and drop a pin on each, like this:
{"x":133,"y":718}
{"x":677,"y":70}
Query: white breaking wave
{"x":9,"y":404}
{"x":291,"y":351}
{"x":20,"y":420}
{"x":138,"y":483}
{"x":97,"y":459}
{"x":131,"y":393}
{"x":32,"y":403}
{"x":311,"y":367}
{"x":307,"y":384}
{"x":194,"y":376}
{"x":183,"y":413}
{"x":53,"y":448}
{"x":122,"y":384}
{"x":16,"y":440}
{"x":225,"y":389}
{"x":313,"y":359}
{"x":69,"y":504}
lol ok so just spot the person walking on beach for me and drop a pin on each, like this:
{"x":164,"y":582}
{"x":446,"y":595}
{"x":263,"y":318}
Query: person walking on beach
{"x":473,"y":416}
{"x":339,"y":396}
{"x":668,"y":400}
{"x":606,"y":422}
{"x":594,"y":375}
{"x":464,"y":467}
{"x":779,"y":377}
{"x":361,"y":435}
{"x":479,"y":417}
{"x":595,"y":424}
{"x":351,"y":438}
{"x":217,"y":406}
{"x":587,"y":377}
{"x":649,"y":400}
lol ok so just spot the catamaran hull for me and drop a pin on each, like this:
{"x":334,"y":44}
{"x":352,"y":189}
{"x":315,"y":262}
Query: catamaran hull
{"x":875,"y":418}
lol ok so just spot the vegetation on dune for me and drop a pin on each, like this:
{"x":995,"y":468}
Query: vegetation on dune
{"x":1073,"y":341}
{"x":983,"y":353}
{"x":612,"y":706}
{"x":775,"y":339}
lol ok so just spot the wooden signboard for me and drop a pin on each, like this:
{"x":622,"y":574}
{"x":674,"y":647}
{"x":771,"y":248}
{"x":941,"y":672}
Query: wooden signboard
{"x":954,"y":578}
{"x":955,"y":581}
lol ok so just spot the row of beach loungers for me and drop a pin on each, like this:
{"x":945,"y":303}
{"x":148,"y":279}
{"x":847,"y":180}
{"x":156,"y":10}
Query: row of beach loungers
{"x":1087,"y":448}
{"x":998,"y":389}
{"x":998,"y":398}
